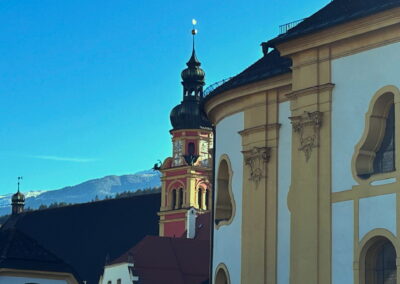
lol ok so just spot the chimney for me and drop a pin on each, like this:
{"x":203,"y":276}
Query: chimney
{"x":191,"y":216}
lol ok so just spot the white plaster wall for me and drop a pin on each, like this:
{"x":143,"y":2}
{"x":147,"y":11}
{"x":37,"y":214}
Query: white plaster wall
{"x":227,"y":239}
{"x":357,"y":78}
{"x":118,"y":271}
{"x":377,"y":212}
{"x":284,"y":181}
{"x":24,"y":280}
{"x":342,"y":242}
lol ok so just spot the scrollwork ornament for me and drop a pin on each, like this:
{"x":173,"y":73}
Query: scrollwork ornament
{"x":256,"y":159}
{"x":307,"y":127}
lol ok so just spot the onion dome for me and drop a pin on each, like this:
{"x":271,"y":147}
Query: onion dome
{"x":189,"y":114}
{"x":18,"y":197}
{"x":193,"y":74}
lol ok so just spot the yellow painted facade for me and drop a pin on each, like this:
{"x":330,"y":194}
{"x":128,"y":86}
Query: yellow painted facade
{"x":309,"y":90}
{"x":38,"y":275}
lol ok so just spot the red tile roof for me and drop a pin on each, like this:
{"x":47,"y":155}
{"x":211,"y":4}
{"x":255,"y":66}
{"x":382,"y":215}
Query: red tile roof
{"x":169,"y":260}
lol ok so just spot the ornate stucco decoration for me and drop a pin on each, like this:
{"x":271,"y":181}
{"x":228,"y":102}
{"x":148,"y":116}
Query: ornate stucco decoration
{"x":307,"y":127}
{"x":256,"y":159}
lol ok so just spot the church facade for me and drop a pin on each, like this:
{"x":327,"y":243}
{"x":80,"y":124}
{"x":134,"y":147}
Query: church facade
{"x":306,"y":178}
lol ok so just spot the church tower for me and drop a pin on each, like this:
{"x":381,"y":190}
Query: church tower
{"x":187,"y":174}
{"x":17,"y":201}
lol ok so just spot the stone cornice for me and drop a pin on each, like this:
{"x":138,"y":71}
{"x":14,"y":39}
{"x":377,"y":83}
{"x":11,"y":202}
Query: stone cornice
{"x":261,"y":128}
{"x":311,"y":90}
{"x":238,"y":99}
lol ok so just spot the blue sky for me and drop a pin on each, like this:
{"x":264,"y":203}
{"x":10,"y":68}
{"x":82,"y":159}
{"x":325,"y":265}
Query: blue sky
{"x":86,"y":87}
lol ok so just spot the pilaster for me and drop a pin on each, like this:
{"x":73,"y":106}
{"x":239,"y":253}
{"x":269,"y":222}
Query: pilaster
{"x":259,"y":228}
{"x":309,"y":196}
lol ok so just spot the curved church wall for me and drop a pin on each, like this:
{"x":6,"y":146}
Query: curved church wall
{"x":357,"y":78}
{"x":355,"y":213}
{"x":284,"y":174}
{"x":227,"y":238}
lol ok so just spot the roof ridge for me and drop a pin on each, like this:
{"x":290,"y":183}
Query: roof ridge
{"x":334,"y":13}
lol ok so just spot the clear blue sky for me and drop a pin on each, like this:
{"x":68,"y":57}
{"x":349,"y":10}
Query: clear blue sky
{"x":86,"y":87}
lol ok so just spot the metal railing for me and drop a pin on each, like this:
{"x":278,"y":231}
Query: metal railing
{"x":286,"y":27}
{"x":212,"y":87}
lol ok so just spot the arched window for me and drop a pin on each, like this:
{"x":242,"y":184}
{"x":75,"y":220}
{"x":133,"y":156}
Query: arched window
{"x":224,"y":210}
{"x":199,"y":197}
{"x":376,"y":151}
{"x":207,"y":200}
{"x":384,"y":159}
{"x":222,"y":277}
{"x":180,"y":198}
{"x":119,"y":281}
{"x":191,"y":148}
{"x":173,"y":199}
{"x":380,"y":263}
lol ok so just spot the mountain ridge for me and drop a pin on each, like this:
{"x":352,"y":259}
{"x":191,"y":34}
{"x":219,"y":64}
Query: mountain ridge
{"x":86,"y":191}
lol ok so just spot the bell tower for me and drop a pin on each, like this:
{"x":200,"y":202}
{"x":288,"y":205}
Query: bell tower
{"x":186,"y":176}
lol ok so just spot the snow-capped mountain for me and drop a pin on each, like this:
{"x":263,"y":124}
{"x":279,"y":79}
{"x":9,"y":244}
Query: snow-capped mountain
{"x":86,"y":191}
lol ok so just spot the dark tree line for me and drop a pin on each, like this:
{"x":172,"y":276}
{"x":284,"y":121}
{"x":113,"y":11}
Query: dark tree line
{"x":123,"y":194}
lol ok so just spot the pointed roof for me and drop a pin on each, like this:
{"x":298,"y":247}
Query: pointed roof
{"x":335,"y":13}
{"x":84,"y":234}
{"x":193,"y":61}
{"x":18,"y":251}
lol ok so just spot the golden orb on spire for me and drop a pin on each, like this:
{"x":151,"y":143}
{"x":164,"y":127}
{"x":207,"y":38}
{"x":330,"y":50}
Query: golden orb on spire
{"x":194,"y":31}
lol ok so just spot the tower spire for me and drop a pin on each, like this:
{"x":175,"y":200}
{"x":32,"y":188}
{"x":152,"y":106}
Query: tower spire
{"x":193,"y":76}
{"x":18,"y":200}
{"x":19,"y":182}
{"x":189,"y":114}
{"x":194,"y":32}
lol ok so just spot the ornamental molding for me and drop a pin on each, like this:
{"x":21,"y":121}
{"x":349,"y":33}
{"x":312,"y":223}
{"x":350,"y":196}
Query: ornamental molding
{"x":307,"y":127}
{"x":261,"y":128}
{"x":256,"y":159}
{"x":311,"y":90}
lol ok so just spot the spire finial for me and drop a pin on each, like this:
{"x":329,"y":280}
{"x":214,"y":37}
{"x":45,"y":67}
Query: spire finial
{"x":194,"y":30}
{"x":19,"y":182}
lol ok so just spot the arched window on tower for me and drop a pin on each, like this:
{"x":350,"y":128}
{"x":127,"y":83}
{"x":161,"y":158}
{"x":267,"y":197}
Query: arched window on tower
{"x":199,"y":198}
{"x":207,"y":200}
{"x":191,"y":148}
{"x":380,"y":263}
{"x":180,"y":198}
{"x":173,"y":199}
